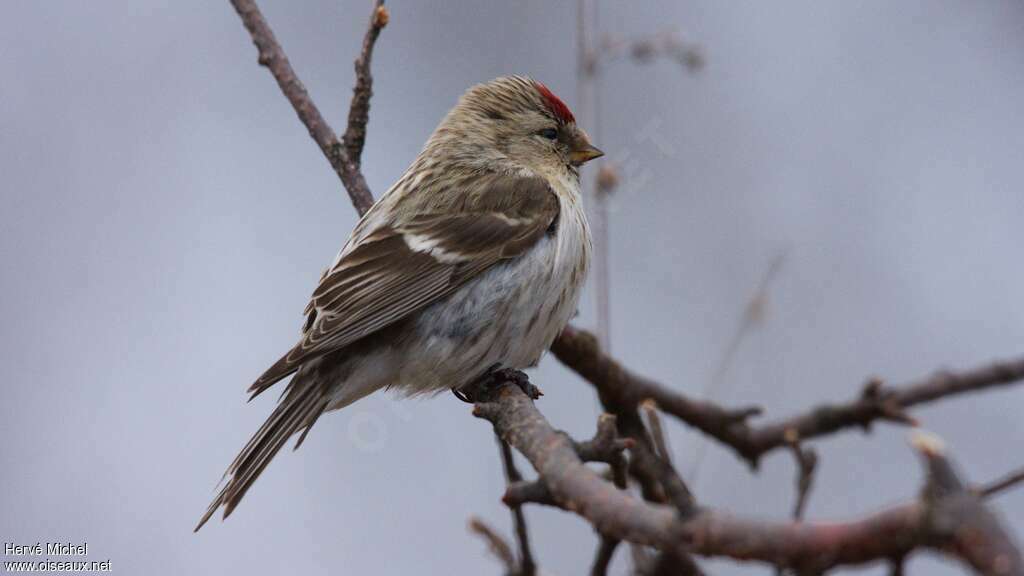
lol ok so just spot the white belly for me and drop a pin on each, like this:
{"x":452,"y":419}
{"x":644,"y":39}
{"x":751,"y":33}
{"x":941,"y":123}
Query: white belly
{"x":509,"y":315}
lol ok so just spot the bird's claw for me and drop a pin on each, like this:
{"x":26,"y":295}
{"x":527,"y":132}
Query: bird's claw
{"x":461,"y":395}
{"x":479,"y":389}
{"x":517,"y":377}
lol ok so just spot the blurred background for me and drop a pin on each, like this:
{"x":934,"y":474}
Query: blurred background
{"x":166,"y":216}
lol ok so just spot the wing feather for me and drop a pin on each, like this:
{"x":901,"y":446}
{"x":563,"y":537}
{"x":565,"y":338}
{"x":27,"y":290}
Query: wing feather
{"x":407,"y":264}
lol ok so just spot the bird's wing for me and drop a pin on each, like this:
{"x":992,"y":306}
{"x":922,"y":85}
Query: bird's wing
{"x":404,"y":265}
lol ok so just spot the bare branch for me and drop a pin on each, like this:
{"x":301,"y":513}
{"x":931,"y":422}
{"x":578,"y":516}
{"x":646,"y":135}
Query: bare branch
{"x":897,"y":566}
{"x":660,"y":465}
{"x":1002,"y":484}
{"x":669,"y":564}
{"x":535,"y":492}
{"x":803,"y":546}
{"x":957,"y":517}
{"x":753,"y":316}
{"x":580,"y":351}
{"x":495,"y":543}
{"x":644,"y":50}
{"x":359,"y":109}
{"x":807,"y":463}
{"x":607,"y":435}
{"x":273,"y":57}
{"x":617,"y":386}
{"x":606,"y":445}
{"x":649,"y":408}
{"x":603,"y":556}
{"x":572,"y":484}
{"x":526,"y":565}
{"x":879,"y":403}
{"x":948,"y":517}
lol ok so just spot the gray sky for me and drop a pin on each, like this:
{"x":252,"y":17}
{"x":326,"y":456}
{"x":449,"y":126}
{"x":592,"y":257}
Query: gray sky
{"x":166,"y":217}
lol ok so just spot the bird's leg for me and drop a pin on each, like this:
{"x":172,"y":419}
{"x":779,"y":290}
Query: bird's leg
{"x":480,"y":388}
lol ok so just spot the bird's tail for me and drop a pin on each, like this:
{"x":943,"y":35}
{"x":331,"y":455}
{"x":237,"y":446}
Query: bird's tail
{"x":301,"y":405}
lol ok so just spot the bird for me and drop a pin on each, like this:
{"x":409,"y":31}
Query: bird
{"x":470,"y":264}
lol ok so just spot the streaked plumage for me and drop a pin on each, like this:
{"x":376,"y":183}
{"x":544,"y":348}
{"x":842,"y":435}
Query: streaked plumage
{"x":475,"y":257}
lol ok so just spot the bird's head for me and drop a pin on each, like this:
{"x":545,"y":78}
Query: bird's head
{"x":516,"y":122}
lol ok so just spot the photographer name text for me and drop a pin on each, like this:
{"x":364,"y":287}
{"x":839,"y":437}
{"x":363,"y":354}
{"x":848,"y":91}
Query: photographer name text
{"x":50,"y":549}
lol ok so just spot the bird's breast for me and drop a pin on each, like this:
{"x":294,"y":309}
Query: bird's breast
{"x":509,"y":315}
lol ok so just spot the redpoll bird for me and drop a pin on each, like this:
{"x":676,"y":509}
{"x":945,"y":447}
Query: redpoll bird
{"x":473,"y":260}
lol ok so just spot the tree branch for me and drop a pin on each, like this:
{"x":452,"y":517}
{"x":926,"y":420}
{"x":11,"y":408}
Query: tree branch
{"x":495,"y":543}
{"x":526,"y":565}
{"x":607,"y":443}
{"x":803,"y":546}
{"x":572,"y":485}
{"x":359,"y":109}
{"x":959,"y":520}
{"x":1001,"y":484}
{"x":660,"y":465}
{"x":807,"y":464}
{"x":273,"y":57}
{"x":579,"y":350}
{"x":948,"y":517}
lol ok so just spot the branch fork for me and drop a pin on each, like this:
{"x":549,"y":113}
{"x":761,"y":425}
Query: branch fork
{"x":949,"y":516}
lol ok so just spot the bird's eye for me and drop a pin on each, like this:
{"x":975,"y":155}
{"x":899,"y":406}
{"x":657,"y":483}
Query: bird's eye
{"x":549,"y":133}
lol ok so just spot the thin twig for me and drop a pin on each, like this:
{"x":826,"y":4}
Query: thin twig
{"x":754,"y":314}
{"x":527,"y":566}
{"x":663,"y":44}
{"x":958,"y":515}
{"x":886,"y":404}
{"x":495,"y":543}
{"x":568,"y":483}
{"x":588,"y":91}
{"x":896,"y":566}
{"x":649,"y":408}
{"x":619,"y":469}
{"x":806,"y":547}
{"x":603,"y":557}
{"x":532,"y":491}
{"x":1002,"y":484}
{"x":660,"y":464}
{"x":359,"y":109}
{"x":606,"y":445}
{"x":807,"y":464}
{"x":671,"y":564}
{"x":580,"y":351}
{"x":273,"y":57}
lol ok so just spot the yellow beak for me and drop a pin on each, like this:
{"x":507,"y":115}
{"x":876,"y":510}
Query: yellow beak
{"x":580,"y":148}
{"x":585,"y":153}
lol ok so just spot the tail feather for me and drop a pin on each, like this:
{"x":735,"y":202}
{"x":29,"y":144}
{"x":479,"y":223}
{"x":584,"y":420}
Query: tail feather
{"x":284,"y":367}
{"x":309,"y":426}
{"x":299,"y":409}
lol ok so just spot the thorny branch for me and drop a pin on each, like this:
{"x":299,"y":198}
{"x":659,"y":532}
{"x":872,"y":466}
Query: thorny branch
{"x":948,"y":517}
